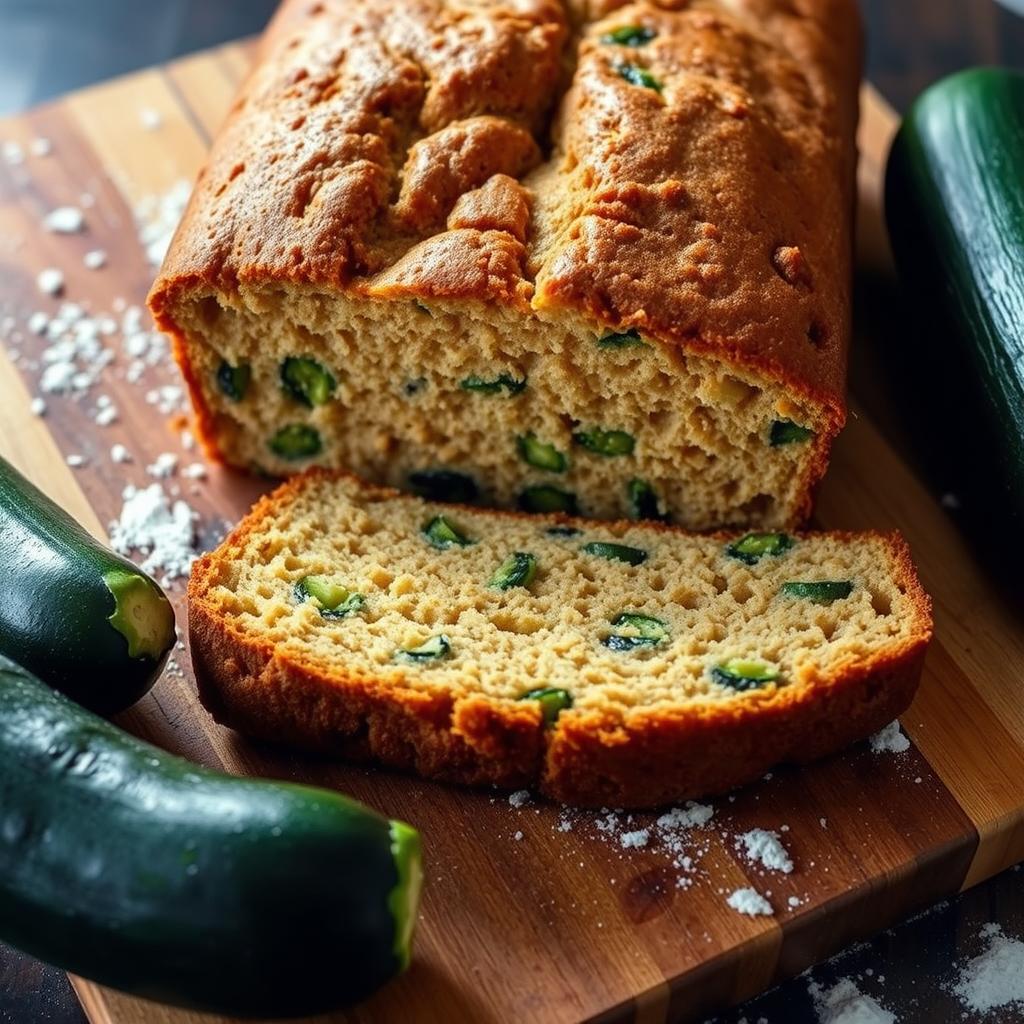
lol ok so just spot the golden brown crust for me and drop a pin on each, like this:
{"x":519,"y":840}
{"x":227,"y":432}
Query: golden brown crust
{"x":715,"y":214}
{"x":299,"y":184}
{"x":681,"y":198}
{"x":643,"y":758}
{"x":500,"y":204}
{"x":456,"y":160}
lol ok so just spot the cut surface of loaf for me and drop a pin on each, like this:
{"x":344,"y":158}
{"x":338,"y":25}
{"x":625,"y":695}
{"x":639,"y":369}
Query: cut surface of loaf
{"x":588,"y":257}
{"x":604,"y":663}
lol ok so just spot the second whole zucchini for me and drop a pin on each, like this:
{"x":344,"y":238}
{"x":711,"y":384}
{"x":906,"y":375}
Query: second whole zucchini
{"x":955,"y":209}
{"x":147,"y":873}
{"x":82,"y":618}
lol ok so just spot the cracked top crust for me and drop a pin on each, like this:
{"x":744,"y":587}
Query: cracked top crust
{"x":698,"y":186}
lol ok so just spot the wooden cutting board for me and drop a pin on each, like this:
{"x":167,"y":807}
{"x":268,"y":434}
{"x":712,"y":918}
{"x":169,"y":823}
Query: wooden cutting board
{"x":555,"y":925}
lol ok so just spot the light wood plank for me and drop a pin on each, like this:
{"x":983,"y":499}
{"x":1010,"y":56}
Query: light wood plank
{"x":878,"y":124}
{"x":207,"y":84}
{"x":141,"y":163}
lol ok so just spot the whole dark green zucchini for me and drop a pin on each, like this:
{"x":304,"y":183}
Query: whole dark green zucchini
{"x":955,"y":208}
{"x":144,"y":872}
{"x":82,"y":618}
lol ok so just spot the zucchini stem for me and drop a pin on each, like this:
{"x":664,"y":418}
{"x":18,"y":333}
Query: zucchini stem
{"x":142,"y":615}
{"x":404,"y":899}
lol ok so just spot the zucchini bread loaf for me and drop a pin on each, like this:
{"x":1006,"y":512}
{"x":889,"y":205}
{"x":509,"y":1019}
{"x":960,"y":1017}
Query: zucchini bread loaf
{"x":615,"y":664}
{"x":568,"y":255}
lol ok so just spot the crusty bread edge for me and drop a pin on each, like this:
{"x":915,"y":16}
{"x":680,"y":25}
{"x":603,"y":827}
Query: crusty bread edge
{"x":645,"y":758}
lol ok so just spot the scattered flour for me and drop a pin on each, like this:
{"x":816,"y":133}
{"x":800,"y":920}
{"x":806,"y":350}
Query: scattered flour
{"x":157,"y":218}
{"x":635,"y":840}
{"x":151,"y":119}
{"x":50,"y":281}
{"x":13,"y":153}
{"x":750,"y":902}
{"x":679,"y":836}
{"x":40,"y":146}
{"x":995,"y":979}
{"x":76,"y":356}
{"x":163,"y":532}
{"x":65,"y":220}
{"x":764,"y":847}
{"x":142,"y":344}
{"x":693,"y":815}
{"x":519,"y":798}
{"x":168,"y":399}
{"x":890,"y":740}
{"x":38,"y":322}
{"x":163,"y":466}
{"x":106,"y":412}
{"x":58,"y":377}
{"x":844,"y":1003}
{"x":78,"y":348}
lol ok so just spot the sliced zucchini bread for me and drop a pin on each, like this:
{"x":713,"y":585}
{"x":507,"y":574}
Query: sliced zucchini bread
{"x":603,"y":663}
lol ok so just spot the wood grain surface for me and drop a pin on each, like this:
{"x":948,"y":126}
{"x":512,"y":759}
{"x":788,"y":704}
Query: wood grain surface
{"x":557,"y":925}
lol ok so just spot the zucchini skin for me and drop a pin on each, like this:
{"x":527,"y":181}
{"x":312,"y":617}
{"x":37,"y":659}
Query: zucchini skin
{"x":155,"y":876}
{"x":955,"y":210}
{"x":55,"y":610}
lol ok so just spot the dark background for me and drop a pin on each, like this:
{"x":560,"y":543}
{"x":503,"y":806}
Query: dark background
{"x":48,"y":47}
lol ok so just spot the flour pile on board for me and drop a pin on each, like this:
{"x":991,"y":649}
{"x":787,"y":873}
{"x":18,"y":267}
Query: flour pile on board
{"x":82,"y":348}
{"x":844,"y":1003}
{"x":995,"y":979}
{"x":750,"y":902}
{"x":163,"y":532}
{"x":765,"y":848}
{"x":890,"y":740}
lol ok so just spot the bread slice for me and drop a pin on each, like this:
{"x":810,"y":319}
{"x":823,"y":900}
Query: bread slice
{"x":473,"y":250}
{"x":603,"y":663}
